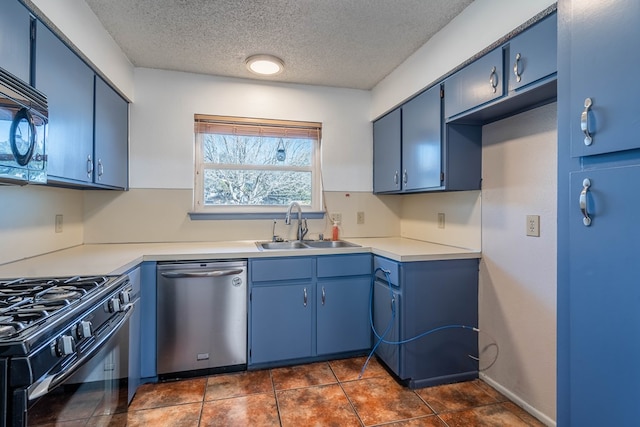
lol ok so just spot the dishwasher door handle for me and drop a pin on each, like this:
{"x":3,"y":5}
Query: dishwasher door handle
{"x":205,"y":273}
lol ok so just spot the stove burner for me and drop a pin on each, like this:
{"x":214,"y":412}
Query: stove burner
{"x":27,"y":302}
{"x":62,"y":293}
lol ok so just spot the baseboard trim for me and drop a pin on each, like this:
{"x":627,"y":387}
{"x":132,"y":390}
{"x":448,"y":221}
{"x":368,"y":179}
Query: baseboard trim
{"x":518,"y":401}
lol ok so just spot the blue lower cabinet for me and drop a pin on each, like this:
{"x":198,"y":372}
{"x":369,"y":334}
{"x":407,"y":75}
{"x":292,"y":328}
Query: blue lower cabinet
{"x":281,"y":319}
{"x":343,"y":315}
{"x":306,"y":308}
{"x":425,"y":296}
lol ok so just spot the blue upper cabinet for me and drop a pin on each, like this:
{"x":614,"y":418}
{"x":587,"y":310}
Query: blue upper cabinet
{"x":111,"y":137}
{"x":474,"y":85}
{"x":387,"y":148}
{"x":15,"y":39}
{"x":603,"y":55}
{"x":422,"y":141}
{"x":407,"y":146}
{"x":532,"y":54}
{"x":68,"y":83}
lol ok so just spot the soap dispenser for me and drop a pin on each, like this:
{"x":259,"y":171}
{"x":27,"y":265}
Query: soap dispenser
{"x":335,"y":231}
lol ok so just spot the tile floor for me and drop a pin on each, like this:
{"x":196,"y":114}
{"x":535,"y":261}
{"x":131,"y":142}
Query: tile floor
{"x":318,"y":394}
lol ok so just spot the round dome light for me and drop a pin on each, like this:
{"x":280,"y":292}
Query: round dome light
{"x":265,"y":65}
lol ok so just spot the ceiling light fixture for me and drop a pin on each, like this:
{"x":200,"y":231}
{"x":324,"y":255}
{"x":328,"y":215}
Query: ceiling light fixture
{"x":265,"y":65}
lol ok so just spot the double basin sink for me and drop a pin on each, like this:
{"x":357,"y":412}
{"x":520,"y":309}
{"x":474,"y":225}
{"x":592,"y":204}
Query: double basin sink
{"x":305,"y":244}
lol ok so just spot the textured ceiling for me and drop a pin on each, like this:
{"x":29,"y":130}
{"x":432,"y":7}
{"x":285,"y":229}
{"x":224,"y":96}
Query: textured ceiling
{"x":342,"y":43}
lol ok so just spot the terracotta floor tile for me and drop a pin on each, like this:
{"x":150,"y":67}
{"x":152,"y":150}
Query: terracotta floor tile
{"x":115,"y":420}
{"x":349,"y":369}
{"x":522,"y":414}
{"x":256,"y":410}
{"x":168,"y":393}
{"x":75,"y":423}
{"x":187,"y":415}
{"x":60,"y":406}
{"x":430,"y":421}
{"x":238,"y":384}
{"x":302,"y":376}
{"x":324,"y":406}
{"x":490,"y":391}
{"x":113,"y":403}
{"x":379,"y":400}
{"x":455,"y":397}
{"x":484,"y":416}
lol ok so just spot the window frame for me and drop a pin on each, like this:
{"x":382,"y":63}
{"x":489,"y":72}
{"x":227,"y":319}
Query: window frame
{"x":202,"y":211}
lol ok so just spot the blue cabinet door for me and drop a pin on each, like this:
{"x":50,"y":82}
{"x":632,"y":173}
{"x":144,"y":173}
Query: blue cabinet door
{"x":532,"y":54}
{"x":604,"y":62}
{"x":604,"y":303}
{"x":421,"y":141}
{"x":111,"y":137}
{"x":15,"y":39}
{"x":343,"y":315}
{"x":281,"y":320}
{"x":474,"y":85}
{"x":386,"y":320}
{"x":386,"y":153}
{"x":68,"y":83}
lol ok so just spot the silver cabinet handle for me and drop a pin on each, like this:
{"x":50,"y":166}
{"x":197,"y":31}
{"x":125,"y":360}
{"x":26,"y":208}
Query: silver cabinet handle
{"x":304,"y":301}
{"x":89,"y":166}
{"x":493,"y":79}
{"x":405,"y":177}
{"x":584,"y":122}
{"x":100,"y":169}
{"x":583,"y":202}
{"x":516,"y":68}
{"x":395,"y":178}
{"x":324,"y":295}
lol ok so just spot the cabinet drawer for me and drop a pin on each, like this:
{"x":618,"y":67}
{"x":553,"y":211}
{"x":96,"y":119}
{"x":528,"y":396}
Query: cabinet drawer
{"x":265,"y":270}
{"x":344,"y":265}
{"x":532,"y":54}
{"x":388,"y":265}
{"x":475,"y":84}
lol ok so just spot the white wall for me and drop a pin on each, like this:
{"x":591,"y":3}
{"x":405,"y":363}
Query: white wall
{"x":462,"y":210}
{"x":27,"y":220}
{"x":517,"y":297}
{"x":162,"y":142}
{"x":478,"y":26}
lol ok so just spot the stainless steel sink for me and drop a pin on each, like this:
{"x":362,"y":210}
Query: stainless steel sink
{"x":306,"y":244}
{"x":331,"y":244}
{"x":280,"y":245}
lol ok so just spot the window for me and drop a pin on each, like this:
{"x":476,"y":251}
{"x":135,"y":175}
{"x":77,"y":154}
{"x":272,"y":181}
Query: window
{"x":256,"y":165}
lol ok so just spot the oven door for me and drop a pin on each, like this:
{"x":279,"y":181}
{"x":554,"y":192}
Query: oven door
{"x":95,"y":389}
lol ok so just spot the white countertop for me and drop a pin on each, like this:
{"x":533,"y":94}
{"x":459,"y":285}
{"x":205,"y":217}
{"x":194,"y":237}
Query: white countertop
{"x":102,"y":259}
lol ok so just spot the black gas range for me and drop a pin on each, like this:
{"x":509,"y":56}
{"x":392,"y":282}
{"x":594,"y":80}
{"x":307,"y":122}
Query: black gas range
{"x":49,"y":329}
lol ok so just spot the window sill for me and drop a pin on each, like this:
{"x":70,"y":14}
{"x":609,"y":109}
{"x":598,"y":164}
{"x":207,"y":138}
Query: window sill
{"x":203,"y":216}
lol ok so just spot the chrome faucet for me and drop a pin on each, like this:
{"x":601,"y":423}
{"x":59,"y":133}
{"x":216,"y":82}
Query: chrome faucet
{"x":302,"y":230}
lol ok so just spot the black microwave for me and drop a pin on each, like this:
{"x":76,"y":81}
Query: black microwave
{"x":23,"y":130}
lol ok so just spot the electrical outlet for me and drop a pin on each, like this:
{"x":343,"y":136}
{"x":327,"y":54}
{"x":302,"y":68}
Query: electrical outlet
{"x":533,"y":225}
{"x":360,"y":217}
{"x":59,"y":223}
{"x":336,"y":217}
{"x":441,"y":220}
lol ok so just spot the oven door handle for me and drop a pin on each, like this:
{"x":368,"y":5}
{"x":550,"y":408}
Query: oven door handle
{"x":49,"y":382}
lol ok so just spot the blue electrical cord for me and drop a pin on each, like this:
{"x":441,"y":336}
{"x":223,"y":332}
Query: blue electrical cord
{"x":380,"y":338}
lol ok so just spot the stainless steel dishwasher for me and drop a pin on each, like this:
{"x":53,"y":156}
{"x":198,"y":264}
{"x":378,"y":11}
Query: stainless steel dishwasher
{"x":202,"y":316}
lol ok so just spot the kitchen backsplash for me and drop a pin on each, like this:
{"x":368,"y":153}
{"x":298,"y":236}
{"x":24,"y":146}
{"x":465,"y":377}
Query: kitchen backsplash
{"x":160,"y":215}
